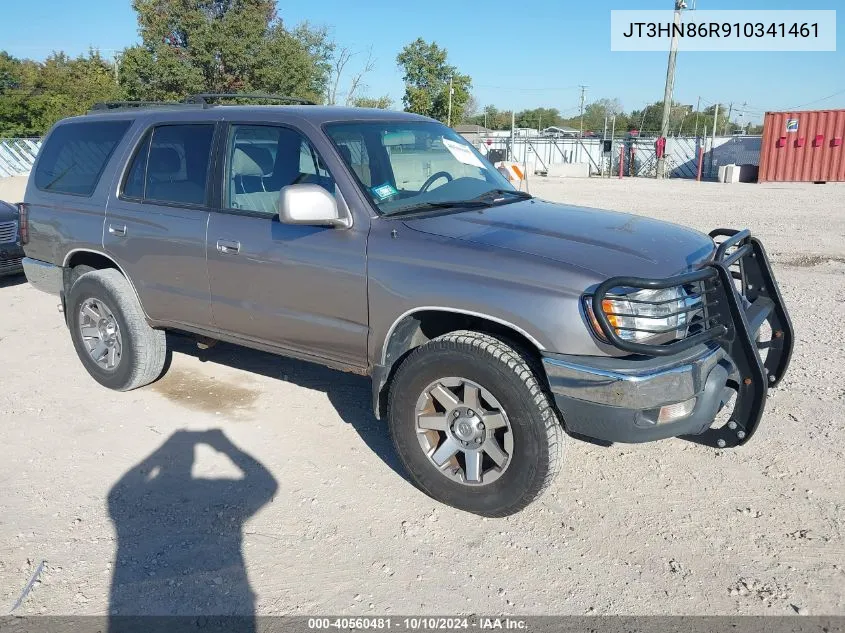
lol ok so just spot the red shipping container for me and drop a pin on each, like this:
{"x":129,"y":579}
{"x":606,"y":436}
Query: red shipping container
{"x":803,"y":147}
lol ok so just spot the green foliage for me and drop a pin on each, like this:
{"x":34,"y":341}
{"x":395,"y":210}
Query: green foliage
{"x":426,"y":76}
{"x":595,"y":114}
{"x":538,"y":118}
{"x":491,"y":118}
{"x":222,"y":46}
{"x":382,"y":103}
{"x":33,"y":95}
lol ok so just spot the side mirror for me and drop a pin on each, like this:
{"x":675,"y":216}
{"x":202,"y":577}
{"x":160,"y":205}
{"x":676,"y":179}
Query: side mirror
{"x":311,"y":205}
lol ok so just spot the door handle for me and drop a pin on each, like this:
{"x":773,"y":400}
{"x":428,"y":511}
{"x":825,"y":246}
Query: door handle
{"x":119,"y":231}
{"x":228,"y":248}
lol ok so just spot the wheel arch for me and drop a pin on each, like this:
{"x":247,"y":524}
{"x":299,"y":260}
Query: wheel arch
{"x":97,"y":260}
{"x":420,"y":325}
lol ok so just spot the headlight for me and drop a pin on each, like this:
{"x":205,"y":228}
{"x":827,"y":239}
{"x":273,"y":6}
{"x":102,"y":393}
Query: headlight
{"x":647,"y":315}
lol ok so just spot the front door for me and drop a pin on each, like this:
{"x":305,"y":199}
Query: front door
{"x":156,"y":227}
{"x":301,"y":288}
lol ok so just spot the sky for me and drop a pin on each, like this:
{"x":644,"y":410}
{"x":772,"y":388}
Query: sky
{"x":519,"y":56}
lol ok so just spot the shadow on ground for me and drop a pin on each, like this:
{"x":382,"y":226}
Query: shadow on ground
{"x":349,"y":394}
{"x":12,"y":280}
{"x":179,"y":537}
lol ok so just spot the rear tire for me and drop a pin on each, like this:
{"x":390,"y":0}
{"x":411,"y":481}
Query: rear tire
{"x":110,"y":333}
{"x":513,"y":402}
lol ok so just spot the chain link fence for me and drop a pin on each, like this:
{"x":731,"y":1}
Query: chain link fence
{"x":17,"y":155}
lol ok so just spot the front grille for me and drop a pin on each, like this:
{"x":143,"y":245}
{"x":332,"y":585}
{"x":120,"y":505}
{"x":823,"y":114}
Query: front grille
{"x":8,"y":232}
{"x":10,"y":266}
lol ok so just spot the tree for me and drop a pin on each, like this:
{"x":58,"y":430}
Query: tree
{"x":538,"y":118}
{"x":470,"y":110}
{"x":222,"y":46}
{"x":33,"y":95}
{"x":491,"y":118}
{"x":382,"y":103}
{"x":427,"y":76}
{"x":723,"y":126}
{"x":650,"y":118}
{"x":596,"y":112}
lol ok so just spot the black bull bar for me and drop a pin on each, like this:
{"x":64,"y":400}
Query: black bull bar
{"x":738,"y":293}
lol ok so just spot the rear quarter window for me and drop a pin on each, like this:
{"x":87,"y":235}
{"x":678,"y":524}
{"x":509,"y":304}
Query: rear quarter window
{"x":76,"y":154}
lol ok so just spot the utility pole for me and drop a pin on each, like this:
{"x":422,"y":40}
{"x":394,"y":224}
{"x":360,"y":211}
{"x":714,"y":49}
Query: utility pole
{"x":728,"y":120}
{"x":713,"y":140}
{"x":583,"y":91}
{"x":715,"y":121}
{"x":449,"y":120}
{"x":513,"y":135}
{"x":670,"y":84}
{"x":697,"y":109}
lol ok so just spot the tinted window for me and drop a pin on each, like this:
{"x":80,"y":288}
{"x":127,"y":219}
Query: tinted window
{"x":177,"y":164}
{"x":264,"y":159}
{"x":74,"y":157}
{"x":134,"y":184}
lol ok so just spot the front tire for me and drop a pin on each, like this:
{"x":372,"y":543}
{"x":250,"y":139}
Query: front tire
{"x":473,"y":425}
{"x":110,"y":333}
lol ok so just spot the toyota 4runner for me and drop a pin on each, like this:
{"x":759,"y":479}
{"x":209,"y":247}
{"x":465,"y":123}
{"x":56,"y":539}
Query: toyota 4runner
{"x":382,"y":243}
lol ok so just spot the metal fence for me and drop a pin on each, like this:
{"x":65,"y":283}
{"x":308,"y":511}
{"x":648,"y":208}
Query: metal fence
{"x":538,"y":153}
{"x":17,"y":155}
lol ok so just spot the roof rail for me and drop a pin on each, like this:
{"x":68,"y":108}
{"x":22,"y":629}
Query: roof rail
{"x":204,"y":98}
{"x":106,"y":106}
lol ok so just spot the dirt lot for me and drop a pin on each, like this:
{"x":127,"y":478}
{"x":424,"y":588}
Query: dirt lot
{"x":663,"y":528}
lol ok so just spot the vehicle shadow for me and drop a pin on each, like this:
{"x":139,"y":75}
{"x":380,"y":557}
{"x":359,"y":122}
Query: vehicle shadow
{"x":12,"y":280}
{"x":179,"y":537}
{"x":349,"y":394}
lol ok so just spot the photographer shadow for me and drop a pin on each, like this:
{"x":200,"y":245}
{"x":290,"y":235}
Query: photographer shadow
{"x":179,"y":538}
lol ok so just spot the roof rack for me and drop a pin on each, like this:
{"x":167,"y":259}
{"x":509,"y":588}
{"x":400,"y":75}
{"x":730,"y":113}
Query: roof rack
{"x":204,"y":98}
{"x":106,"y":106}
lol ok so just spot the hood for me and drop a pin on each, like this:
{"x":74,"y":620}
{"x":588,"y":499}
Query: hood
{"x":7,"y":212}
{"x":604,"y":242}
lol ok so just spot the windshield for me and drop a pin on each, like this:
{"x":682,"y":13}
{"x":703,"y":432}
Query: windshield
{"x":405,"y":166}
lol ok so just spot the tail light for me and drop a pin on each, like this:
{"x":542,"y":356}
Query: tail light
{"x":23,"y":222}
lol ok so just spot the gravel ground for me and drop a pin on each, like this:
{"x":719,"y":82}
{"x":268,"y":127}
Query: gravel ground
{"x":323,"y":521}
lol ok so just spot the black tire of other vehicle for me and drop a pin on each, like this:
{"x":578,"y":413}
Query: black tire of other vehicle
{"x":538,"y":434}
{"x":143,"y":348}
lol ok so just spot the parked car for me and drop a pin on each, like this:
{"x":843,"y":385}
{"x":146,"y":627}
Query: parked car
{"x":11,"y":251}
{"x":382,"y":243}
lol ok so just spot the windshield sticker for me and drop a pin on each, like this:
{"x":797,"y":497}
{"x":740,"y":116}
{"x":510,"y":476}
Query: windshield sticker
{"x":384,"y":191}
{"x":462,"y":153}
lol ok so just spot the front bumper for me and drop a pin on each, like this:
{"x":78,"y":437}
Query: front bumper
{"x":11,"y":254}
{"x":619,"y":400}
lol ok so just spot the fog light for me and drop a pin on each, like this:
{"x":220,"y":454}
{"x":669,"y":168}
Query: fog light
{"x":672,"y":412}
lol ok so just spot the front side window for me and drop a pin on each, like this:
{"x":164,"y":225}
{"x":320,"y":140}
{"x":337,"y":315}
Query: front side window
{"x":171,"y":165}
{"x":262,"y":159}
{"x":407,"y":166}
{"x":76,"y":154}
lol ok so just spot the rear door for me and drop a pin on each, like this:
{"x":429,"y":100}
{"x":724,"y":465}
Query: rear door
{"x":156,"y":226}
{"x":301,"y":288}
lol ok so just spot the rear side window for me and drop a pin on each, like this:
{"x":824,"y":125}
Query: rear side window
{"x":76,"y":154}
{"x":171,"y":165}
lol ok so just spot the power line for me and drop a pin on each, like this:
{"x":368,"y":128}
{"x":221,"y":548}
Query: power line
{"x":521,"y":89}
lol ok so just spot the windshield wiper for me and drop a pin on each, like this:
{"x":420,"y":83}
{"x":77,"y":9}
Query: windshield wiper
{"x":445,"y":204}
{"x":486,"y":199}
{"x":497,"y":194}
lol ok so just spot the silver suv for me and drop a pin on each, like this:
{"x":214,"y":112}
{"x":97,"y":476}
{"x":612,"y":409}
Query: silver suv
{"x":382,"y":243}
